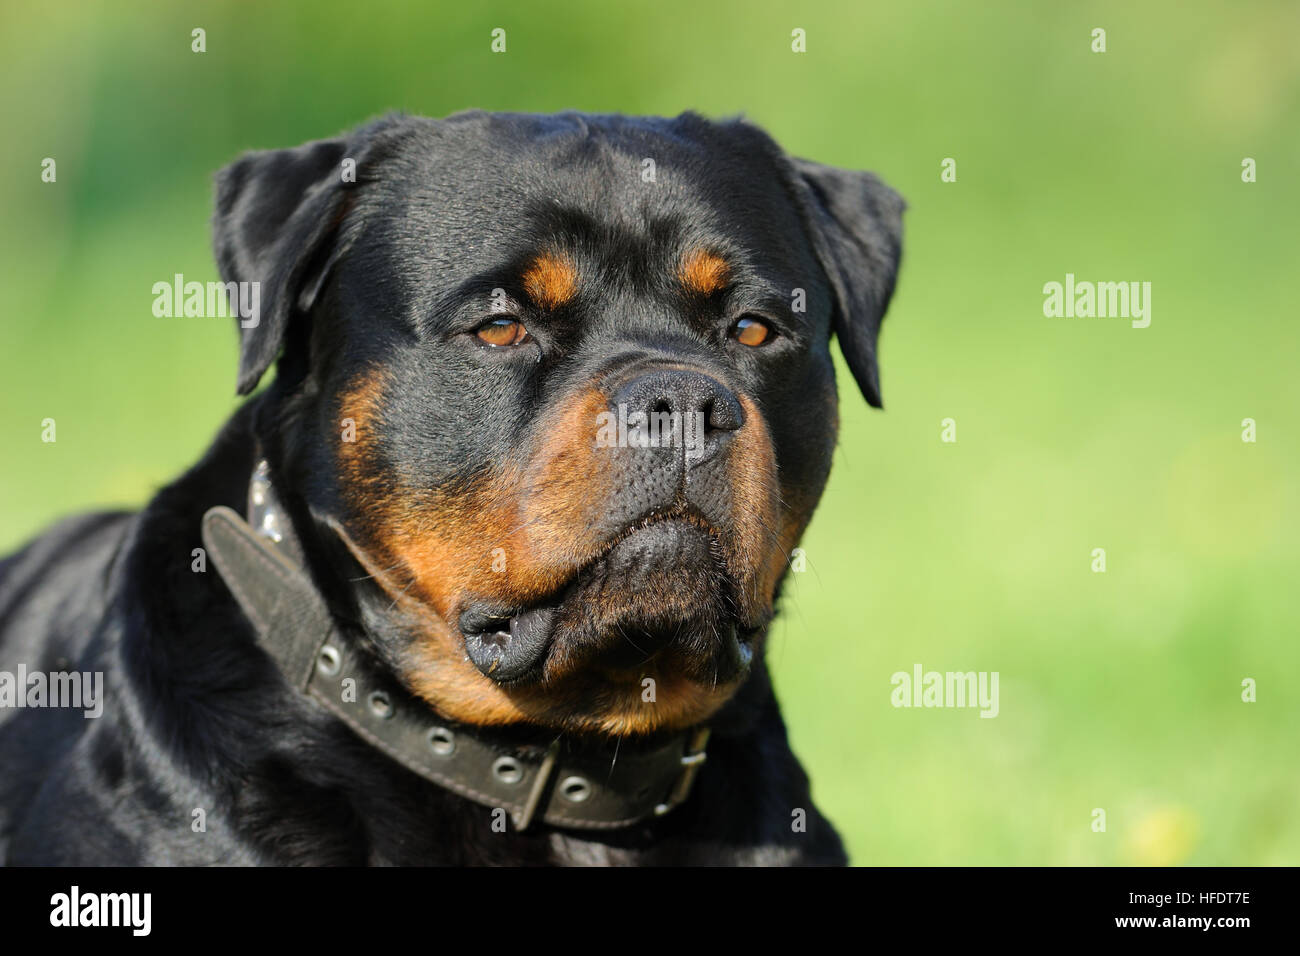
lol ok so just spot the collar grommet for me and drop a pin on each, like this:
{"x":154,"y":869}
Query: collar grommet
{"x":380,"y":705}
{"x":575,"y":789}
{"x":328,"y":661}
{"x":507,"y":770}
{"x":442,"y":741}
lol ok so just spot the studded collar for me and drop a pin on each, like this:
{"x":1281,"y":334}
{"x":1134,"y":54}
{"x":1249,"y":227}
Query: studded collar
{"x":560,"y":781}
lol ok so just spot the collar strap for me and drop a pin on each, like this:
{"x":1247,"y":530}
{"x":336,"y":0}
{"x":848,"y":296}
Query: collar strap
{"x":560,"y":781}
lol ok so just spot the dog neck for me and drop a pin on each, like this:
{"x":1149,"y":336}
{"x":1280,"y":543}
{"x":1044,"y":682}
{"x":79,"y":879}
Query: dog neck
{"x":563,"y":782}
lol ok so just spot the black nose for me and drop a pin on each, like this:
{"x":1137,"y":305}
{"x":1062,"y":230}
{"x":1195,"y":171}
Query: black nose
{"x":681,"y":405}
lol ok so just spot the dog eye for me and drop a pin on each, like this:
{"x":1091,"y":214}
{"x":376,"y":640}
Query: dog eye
{"x":501,"y":332}
{"x":752,"y":332}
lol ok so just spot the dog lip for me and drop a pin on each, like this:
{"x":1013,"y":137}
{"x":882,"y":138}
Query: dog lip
{"x":681,"y":512}
{"x":507,"y":649}
{"x":482,"y":618}
{"x":684,"y":514}
{"x":509,"y":644}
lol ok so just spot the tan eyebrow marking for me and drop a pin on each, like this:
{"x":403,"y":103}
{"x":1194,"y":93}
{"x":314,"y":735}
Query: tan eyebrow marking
{"x":703,"y":271}
{"x":551,"y":281}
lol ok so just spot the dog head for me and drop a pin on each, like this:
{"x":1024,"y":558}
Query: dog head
{"x":558,"y":389}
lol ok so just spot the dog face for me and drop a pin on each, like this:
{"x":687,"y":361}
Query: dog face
{"x":561,"y":390}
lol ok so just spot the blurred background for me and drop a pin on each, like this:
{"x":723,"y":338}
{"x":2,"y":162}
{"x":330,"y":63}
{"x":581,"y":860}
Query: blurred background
{"x":1118,"y":690}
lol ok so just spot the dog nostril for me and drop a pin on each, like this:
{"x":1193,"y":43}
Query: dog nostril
{"x":723,"y":414}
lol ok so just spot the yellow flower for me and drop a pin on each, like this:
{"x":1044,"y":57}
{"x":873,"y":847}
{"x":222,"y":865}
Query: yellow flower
{"x":1163,"y":837}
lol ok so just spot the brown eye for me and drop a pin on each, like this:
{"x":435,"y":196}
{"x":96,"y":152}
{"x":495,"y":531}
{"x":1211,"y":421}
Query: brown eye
{"x":501,"y":332}
{"x":752,"y":332}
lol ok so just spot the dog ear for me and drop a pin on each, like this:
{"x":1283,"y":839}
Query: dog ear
{"x":277,"y":222}
{"x":857,"y":232}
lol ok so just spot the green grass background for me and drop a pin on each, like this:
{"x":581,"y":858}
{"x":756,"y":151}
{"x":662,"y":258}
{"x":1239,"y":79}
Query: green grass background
{"x":1118,"y":690}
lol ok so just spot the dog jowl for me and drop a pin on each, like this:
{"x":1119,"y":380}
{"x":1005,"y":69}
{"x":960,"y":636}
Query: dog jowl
{"x":544,"y":430}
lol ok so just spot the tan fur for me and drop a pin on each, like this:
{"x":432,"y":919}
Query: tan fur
{"x":551,"y":281}
{"x":703,"y":272}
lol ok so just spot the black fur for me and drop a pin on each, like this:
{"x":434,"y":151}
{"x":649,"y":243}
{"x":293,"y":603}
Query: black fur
{"x":382,"y":273}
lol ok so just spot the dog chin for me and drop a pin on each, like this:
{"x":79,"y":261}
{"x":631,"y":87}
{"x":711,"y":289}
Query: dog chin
{"x":657,"y":604}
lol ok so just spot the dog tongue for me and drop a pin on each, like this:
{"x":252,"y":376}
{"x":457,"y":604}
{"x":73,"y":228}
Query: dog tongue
{"x":507,"y":655}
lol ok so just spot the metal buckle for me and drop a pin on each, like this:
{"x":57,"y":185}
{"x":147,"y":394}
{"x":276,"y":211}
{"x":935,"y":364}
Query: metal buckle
{"x":263,"y":506}
{"x":543,"y":777}
{"x":692,"y":760}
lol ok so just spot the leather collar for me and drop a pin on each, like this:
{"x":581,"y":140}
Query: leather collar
{"x":562,"y":781}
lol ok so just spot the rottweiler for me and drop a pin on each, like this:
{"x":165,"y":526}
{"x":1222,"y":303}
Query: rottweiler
{"x":484,"y":574}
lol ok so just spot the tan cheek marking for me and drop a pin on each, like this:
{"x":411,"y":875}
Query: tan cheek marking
{"x":359,"y":411}
{"x":703,"y":272}
{"x":435,"y":546}
{"x":415,"y":539}
{"x":427,"y":549}
{"x":551,"y":281}
{"x":760,"y":540}
{"x":517,"y":534}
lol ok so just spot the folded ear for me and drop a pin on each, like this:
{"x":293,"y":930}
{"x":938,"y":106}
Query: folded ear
{"x":857,"y":232}
{"x":277,"y":223}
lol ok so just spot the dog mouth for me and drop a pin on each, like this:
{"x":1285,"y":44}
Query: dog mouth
{"x":507,"y":648}
{"x":657,"y":591}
